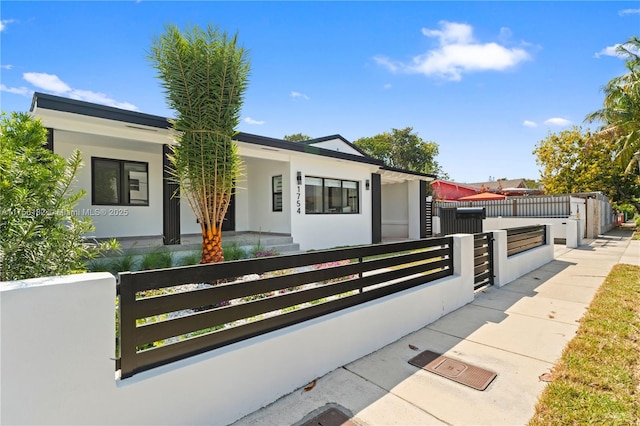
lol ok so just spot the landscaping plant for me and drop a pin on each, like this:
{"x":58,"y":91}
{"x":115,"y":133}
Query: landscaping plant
{"x":204,"y":74}
{"x":41,"y":232}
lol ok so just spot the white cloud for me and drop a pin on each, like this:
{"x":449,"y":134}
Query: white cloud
{"x":628,"y":12}
{"x":4,"y":22}
{"x":296,"y":95}
{"x":6,"y":67}
{"x":16,"y":90}
{"x":250,"y":120}
{"x":387,"y":86}
{"x":607,"y":51}
{"x":557,"y":121}
{"x":51,"y":83}
{"x":529,"y":123}
{"x":100,"y":98}
{"x":457,"y":54}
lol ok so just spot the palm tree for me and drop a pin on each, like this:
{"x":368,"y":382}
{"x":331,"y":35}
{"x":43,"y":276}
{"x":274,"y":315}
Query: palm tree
{"x":621,"y":109}
{"x":204,"y":74}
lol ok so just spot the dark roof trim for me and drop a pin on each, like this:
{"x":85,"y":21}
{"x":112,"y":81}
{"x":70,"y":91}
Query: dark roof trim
{"x":332,"y":137}
{"x":409,"y":172}
{"x":58,"y":103}
{"x":303,"y":147}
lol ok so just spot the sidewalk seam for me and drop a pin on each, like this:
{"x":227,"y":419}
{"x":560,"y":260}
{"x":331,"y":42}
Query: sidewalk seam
{"x":396,"y":395}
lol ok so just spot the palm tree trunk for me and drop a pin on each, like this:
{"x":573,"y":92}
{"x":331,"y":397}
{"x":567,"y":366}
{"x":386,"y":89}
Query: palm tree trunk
{"x":211,"y":246}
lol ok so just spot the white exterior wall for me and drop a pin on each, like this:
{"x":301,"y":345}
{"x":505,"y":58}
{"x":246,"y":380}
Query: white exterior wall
{"x":318,"y":231}
{"x":395,"y":210}
{"x":261,"y":217}
{"x":508,"y":269}
{"x":75,"y":383}
{"x":413,"y":195}
{"x":109,"y":221}
{"x":337,"y":145}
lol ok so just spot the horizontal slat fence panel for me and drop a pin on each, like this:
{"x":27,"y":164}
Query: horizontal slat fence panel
{"x":242,"y":299}
{"x":525,"y":238}
{"x":530,"y":206}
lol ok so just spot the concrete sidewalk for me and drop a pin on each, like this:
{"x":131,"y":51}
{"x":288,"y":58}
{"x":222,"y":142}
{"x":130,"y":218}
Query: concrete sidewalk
{"x":517,"y":331}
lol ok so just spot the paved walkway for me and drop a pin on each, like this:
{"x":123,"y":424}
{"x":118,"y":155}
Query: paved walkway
{"x":517,"y":331}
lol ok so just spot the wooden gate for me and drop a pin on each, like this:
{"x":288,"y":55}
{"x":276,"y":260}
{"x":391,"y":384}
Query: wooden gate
{"x":482,"y":260}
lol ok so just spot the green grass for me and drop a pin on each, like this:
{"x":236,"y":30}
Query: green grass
{"x":597,"y":380}
{"x":233,"y":252}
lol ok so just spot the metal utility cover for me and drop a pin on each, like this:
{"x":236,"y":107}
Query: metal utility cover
{"x":458,"y":371}
{"x":331,"y":417}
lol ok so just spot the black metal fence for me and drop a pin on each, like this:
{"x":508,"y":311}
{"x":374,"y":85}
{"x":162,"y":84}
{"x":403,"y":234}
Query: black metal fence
{"x":482,"y":260}
{"x":160,"y":322}
{"x":525,"y":238}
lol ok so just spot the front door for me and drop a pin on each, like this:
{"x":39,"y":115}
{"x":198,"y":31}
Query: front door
{"x":229,"y":222}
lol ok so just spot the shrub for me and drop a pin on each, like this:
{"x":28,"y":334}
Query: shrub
{"x":159,"y":258}
{"x":41,"y":232}
{"x":233,"y":252}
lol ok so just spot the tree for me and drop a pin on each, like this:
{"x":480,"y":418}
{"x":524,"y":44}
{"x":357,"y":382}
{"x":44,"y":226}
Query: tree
{"x":579,"y":161}
{"x":621,"y":108}
{"x":403,"y":148}
{"x":204,"y":74}
{"x":297,"y":137}
{"x":41,"y":230}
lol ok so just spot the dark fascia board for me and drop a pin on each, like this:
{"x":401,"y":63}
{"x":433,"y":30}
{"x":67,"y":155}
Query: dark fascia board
{"x":59,"y":103}
{"x":332,"y":137}
{"x":304,"y":147}
{"x":409,"y":172}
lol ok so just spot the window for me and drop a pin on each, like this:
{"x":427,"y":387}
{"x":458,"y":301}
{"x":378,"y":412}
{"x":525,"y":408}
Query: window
{"x":119,"y":182}
{"x":276,"y":193}
{"x":331,"y":196}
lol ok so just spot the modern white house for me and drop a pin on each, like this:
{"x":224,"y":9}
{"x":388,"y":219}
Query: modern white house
{"x":323,"y":193}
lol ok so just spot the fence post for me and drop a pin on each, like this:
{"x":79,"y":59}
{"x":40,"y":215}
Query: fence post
{"x":515,"y":207}
{"x":127,"y":324}
{"x":499,"y":257}
{"x":463,"y":261}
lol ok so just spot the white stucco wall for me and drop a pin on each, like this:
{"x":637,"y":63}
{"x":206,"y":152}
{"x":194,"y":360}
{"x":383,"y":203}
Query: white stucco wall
{"x":395,"y":210}
{"x":317,"y":231}
{"x":510,"y":268}
{"x":559,"y":229}
{"x":57,"y":365}
{"x":116,"y":221}
{"x":261,"y":217}
{"x":337,"y":145}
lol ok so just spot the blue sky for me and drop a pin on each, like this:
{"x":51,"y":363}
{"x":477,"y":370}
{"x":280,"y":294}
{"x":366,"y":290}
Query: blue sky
{"x":485,"y":80}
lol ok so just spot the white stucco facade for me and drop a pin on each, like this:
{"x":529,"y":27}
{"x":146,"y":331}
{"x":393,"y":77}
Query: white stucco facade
{"x":131,"y":137}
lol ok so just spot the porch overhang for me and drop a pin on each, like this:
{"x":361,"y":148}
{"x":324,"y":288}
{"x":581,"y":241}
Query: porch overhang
{"x":391,"y":175}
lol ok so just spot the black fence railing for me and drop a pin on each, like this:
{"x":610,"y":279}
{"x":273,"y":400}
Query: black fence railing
{"x":525,"y":238}
{"x":170,"y":314}
{"x":482,"y":260}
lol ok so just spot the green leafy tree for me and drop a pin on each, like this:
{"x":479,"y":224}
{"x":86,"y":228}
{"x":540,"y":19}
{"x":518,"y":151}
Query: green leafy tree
{"x":41,"y":231}
{"x":405,"y":149}
{"x":205,"y":75}
{"x":297,"y":137}
{"x":579,"y":161}
{"x":621,"y":108}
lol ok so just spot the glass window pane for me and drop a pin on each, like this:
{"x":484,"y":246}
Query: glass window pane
{"x":136,"y":183}
{"x":106,"y":182}
{"x":333,"y":198}
{"x":313,"y":195}
{"x":351,"y":203}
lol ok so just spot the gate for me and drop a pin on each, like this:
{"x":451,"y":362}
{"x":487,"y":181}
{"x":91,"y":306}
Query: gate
{"x":429,"y":219}
{"x":482,"y":260}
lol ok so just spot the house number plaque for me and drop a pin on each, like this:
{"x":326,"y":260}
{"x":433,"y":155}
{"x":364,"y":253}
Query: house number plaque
{"x":298,"y":202}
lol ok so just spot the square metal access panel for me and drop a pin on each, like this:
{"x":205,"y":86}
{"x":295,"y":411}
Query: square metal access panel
{"x":458,"y":371}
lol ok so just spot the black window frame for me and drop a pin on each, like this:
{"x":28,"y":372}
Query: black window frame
{"x":325,"y":200}
{"x":122,"y":191}
{"x":275,"y":194}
